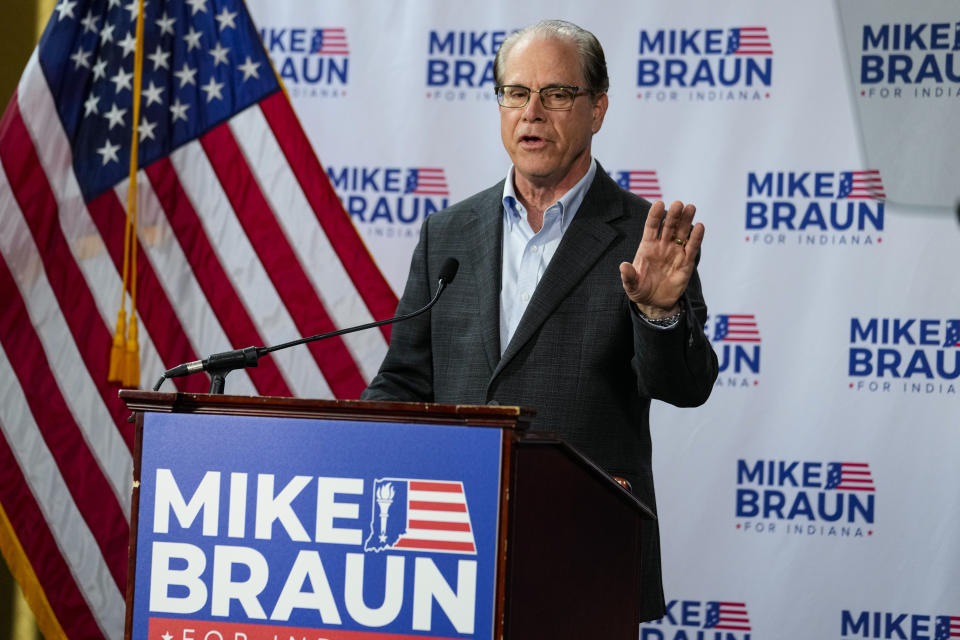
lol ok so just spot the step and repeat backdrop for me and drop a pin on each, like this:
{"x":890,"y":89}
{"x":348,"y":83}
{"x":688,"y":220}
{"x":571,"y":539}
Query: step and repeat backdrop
{"x":817,"y":493}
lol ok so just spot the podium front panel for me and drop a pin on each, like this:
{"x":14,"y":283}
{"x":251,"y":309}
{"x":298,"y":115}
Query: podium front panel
{"x":253,"y":528}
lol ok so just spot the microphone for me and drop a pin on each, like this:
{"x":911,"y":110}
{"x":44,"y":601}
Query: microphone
{"x":219,"y":365}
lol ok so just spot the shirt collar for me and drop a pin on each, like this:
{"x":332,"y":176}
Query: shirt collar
{"x":568,"y":204}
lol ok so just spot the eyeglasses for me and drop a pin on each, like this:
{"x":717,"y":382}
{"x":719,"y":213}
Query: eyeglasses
{"x":515,"y":96}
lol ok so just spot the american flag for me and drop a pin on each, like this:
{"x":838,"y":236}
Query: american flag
{"x":426,"y":182}
{"x":849,"y":476}
{"x":736,"y":328}
{"x":727,"y":615}
{"x":642,"y":183}
{"x":749,"y":41}
{"x":332,"y":42}
{"x":238,"y":228}
{"x":947,"y":627}
{"x":420,"y":515}
{"x":861,"y":185}
{"x":952,"y":337}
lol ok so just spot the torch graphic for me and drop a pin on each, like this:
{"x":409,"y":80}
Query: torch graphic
{"x":384,"y":500}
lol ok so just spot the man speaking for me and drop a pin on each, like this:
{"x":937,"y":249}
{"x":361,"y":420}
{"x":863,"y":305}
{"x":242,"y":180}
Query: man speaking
{"x":573,"y":297}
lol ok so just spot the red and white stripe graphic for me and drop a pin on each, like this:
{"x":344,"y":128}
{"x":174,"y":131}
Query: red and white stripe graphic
{"x":437,"y":518}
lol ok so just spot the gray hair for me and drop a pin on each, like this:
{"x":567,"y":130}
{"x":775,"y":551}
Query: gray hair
{"x":592,"y":61}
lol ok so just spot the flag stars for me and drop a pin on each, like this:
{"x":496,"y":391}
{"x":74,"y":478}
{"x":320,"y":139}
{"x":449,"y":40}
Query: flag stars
{"x":152,"y":94}
{"x":160,"y":58}
{"x":213,"y":89}
{"x":166,"y":24}
{"x":197,"y":6}
{"x":192,"y":38}
{"x":65,"y":9}
{"x":122,"y":80}
{"x":186,"y":75}
{"x":90,"y":106}
{"x":100,"y":69}
{"x":106,"y":34}
{"x":109,"y":152}
{"x":128,"y":44}
{"x":226,"y":19}
{"x":178,"y":110}
{"x":219,"y":54}
{"x":146,"y":129}
{"x":81,"y":59}
{"x":89,"y":22}
{"x":249,"y":69}
{"x":115,"y":116}
{"x":134,"y":9}
{"x":112,"y":4}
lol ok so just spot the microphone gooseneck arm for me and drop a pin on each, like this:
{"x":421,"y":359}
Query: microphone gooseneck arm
{"x":219,"y":365}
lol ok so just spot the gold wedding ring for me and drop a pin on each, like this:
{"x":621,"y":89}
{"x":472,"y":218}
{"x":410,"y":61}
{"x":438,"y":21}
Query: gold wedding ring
{"x":680,"y":242}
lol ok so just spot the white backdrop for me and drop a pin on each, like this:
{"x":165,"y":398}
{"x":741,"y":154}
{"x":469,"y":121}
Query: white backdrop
{"x":844,"y":381}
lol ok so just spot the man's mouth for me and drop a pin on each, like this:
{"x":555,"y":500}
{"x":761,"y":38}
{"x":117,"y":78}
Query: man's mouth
{"x":532,"y":141}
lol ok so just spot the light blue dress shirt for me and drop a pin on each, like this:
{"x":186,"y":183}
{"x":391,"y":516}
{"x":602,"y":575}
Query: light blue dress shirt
{"x":526,"y":254}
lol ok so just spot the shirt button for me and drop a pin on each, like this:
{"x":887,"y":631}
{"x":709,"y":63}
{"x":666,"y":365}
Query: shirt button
{"x":533,"y":248}
{"x":525,"y":297}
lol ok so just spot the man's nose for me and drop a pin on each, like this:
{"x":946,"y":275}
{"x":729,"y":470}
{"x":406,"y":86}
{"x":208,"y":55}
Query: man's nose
{"x":534,"y":109}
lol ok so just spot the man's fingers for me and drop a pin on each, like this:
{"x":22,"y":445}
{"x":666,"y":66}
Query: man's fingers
{"x":695,"y":240}
{"x":671,"y":222}
{"x":686,"y":217}
{"x":651,"y":229}
{"x":628,"y":274}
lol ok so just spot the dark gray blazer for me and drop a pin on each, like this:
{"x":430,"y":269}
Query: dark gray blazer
{"x":580,"y":356}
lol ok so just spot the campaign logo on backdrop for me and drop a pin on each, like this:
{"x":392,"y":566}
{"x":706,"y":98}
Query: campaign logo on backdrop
{"x":459,"y":64}
{"x":805,"y":498}
{"x":910,"y":61}
{"x":898,"y":625}
{"x":736,"y":339}
{"x":705,"y":65}
{"x":904,"y":355}
{"x":645,"y":184}
{"x":390,"y":202}
{"x":420,"y":515}
{"x":314,"y":62}
{"x":814,"y":208}
{"x":710,"y":619}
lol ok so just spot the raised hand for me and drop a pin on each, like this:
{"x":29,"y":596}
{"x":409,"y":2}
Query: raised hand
{"x":664,"y":260}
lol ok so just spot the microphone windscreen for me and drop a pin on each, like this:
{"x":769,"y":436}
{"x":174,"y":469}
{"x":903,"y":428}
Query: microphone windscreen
{"x":448,"y":270}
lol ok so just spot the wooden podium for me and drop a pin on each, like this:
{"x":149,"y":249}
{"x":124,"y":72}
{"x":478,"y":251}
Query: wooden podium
{"x":568,"y":535}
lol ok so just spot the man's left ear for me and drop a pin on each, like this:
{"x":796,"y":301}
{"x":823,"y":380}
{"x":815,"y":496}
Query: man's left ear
{"x":600,"y":105}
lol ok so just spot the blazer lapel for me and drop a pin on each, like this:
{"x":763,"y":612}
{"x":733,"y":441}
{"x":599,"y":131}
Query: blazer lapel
{"x":483,"y":237}
{"x":583,"y":243}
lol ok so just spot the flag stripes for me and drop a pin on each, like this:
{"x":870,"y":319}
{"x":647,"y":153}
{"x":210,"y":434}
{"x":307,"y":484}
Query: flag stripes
{"x":357,"y":262}
{"x":313,"y":248}
{"x":94,"y":497}
{"x":53,"y":534}
{"x":247,"y":275}
{"x":242,"y":242}
{"x":33,"y":198}
{"x":157,"y":314}
{"x":437,"y":518}
{"x":214,"y":283}
{"x":288,"y":276}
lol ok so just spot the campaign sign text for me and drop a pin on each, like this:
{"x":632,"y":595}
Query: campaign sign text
{"x":264,"y":528}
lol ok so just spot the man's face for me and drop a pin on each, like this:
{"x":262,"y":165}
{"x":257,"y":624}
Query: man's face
{"x":549,"y":148}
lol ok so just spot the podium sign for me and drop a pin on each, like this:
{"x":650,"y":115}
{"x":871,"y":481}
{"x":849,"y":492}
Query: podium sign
{"x":255,"y":528}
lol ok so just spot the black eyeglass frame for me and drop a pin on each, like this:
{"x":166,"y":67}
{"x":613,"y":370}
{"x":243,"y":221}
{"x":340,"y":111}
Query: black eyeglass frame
{"x":572,"y":91}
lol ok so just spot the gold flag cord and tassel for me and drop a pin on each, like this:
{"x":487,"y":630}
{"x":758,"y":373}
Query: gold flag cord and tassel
{"x":125,"y":351}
